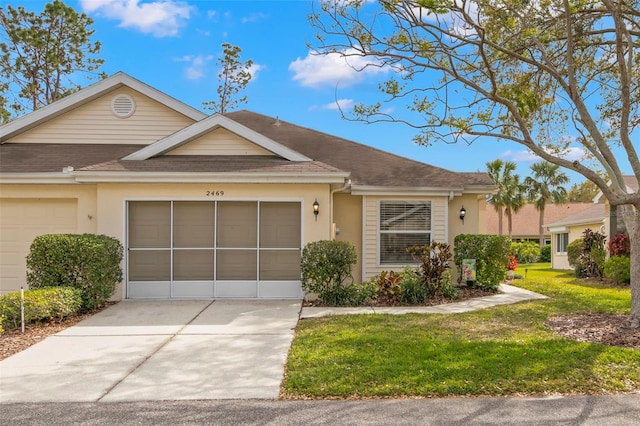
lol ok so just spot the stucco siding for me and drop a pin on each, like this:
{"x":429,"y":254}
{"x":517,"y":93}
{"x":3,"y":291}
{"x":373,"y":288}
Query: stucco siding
{"x":348,"y":222}
{"x":220,"y":142}
{"x":95,"y":123}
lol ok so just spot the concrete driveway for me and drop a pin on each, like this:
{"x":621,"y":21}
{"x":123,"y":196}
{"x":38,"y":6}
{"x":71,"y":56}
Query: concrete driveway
{"x":165,"y":350}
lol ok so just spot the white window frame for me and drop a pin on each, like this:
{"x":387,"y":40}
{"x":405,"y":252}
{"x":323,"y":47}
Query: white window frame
{"x":380,"y":232}
{"x":564,"y":242}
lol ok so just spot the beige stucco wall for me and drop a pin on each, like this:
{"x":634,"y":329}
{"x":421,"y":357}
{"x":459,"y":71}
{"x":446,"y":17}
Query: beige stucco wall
{"x":561,"y":260}
{"x":348,"y":222}
{"x":475,"y":219}
{"x":85,"y":195}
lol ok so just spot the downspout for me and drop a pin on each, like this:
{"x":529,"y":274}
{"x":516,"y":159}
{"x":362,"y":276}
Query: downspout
{"x":347,"y":184}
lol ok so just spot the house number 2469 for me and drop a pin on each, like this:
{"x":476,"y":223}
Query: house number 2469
{"x":215,"y":193}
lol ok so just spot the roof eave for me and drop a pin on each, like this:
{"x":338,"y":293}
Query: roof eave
{"x":408,"y":191}
{"x":198,"y":177}
{"x":39,"y":177}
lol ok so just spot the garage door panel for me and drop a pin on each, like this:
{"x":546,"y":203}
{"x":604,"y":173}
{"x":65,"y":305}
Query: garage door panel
{"x":21,"y":220}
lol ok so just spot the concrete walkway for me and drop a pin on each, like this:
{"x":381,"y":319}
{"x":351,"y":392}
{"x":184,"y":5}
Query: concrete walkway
{"x":510,"y":294}
{"x":169,"y":350}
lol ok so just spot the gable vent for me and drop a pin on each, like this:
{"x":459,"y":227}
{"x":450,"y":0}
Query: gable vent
{"x":123,"y":106}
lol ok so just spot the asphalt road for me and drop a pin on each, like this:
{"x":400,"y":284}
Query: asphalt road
{"x":578,"y":410}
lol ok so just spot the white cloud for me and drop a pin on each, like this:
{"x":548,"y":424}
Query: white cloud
{"x":329,"y":69}
{"x":196,"y":68}
{"x":570,"y":154}
{"x":254,"y":70}
{"x":254,"y":17}
{"x":160,"y":18}
{"x":342,"y":104}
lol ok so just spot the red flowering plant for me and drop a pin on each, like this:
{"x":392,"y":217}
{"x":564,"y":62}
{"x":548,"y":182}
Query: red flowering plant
{"x":513,"y":263}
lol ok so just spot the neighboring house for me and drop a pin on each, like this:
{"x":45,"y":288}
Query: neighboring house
{"x":525,"y":223}
{"x":598,"y":217}
{"x":214,"y":206}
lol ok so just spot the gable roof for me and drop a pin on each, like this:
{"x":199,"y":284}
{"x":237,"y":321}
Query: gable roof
{"x":594,"y":214}
{"x":370,"y":168}
{"x":209,"y":124}
{"x":120,"y":79}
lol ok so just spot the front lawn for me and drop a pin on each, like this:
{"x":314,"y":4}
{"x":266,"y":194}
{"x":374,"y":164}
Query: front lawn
{"x":504,"y":350}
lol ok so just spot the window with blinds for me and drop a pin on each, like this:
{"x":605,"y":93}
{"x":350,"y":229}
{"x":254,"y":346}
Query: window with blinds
{"x":403,"y":224}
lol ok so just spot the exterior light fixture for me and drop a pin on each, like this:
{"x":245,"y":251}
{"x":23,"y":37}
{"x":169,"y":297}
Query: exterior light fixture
{"x":316,"y":208}
{"x":463,"y":213}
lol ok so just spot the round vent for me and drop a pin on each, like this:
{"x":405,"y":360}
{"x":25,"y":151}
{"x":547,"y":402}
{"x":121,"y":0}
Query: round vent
{"x":123,"y":106}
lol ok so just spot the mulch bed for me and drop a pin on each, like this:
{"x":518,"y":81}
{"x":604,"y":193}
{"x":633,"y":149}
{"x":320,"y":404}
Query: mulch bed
{"x":607,"y":329}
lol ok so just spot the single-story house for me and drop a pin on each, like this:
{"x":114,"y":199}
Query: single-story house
{"x":213,"y":206}
{"x":598,"y":217}
{"x":525,"y":223}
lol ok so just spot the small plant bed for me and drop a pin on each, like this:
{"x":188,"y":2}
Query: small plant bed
{"x":607,"y":329}
{"x":464,"y":293}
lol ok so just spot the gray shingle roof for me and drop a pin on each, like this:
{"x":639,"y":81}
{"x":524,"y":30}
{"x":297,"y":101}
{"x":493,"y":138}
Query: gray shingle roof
{"x":368,"y":166}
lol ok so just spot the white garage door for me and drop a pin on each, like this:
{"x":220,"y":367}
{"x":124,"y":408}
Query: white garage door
{"x":213,"y":249}
{"x":21,"y":220}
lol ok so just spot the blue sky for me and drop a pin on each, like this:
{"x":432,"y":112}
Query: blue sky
{"x":173,"y":46}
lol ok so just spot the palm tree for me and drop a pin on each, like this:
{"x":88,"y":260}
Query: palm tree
{"x":546,"y":186}
{"x":508,"y":198}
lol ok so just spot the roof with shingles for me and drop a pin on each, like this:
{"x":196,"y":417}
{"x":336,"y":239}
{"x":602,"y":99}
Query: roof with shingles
{"x":368,"y":166}
{"x":525,"y":223}
{"x":594,"y":214}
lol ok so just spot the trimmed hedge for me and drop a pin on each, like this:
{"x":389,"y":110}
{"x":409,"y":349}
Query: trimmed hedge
{"x":491,"y":253}
{"x":39,"y":305}
{"x":617,"y":269}
{"x":88,"y":262}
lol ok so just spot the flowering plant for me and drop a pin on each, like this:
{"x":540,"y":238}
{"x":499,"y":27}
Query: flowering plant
{"x":513,"y":263}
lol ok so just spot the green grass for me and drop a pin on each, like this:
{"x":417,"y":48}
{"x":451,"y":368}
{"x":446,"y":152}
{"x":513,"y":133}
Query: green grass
{"x":498,"y":351}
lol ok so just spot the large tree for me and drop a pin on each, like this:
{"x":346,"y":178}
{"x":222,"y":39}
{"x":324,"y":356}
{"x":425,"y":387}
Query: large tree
{"x":544,"y":186}
{"x":41,"y":56}
{"x":233,"y":76}
{"x":548,"y":74}
{"x":501,"y":173}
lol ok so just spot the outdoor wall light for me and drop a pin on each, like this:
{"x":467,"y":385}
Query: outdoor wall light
{"x":316,"y":208}
{"x":463,"y":213}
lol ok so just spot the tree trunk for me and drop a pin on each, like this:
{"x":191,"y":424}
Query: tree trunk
{"x":632,"y":220}
{"x":500,"y":221}
{"x":540,"y":230}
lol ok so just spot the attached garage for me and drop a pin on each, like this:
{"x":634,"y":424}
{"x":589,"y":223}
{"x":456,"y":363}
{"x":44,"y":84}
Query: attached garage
{"x":214,"y":249}
{"x":23,"y":219}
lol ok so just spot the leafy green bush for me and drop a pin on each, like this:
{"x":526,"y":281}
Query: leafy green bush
{"x":545,"y":253}
{"x":574,"y":249}
{"x":447,"y":289}
{"x":413,"y":291}
{"x":325,"y":266}
{"x":491,"y":253}
{"x":433,"y":262}
{"x":526,"y":251}
{"x":587,"y":254}
{"x":39,"y":304}
{"x":617,"y":269}
{"x":88,"y":262}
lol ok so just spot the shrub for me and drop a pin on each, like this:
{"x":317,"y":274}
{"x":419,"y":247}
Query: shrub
{"x":325,"y":266}
{"x":88,"y":262}
{"x":617,"y":269}
{"x":491,"y":253}
{"x":39,"y":304}
{"x":526,"y":251}
{"x":413,"y":291}
{"x":574,"y":249}
{"x":587,"y":254}
{"x":545,"y":253}
{"x":620,"y":245}
{"x":389,"y":289}
{"x":447,"y":288}
{"x":434,"y":261}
